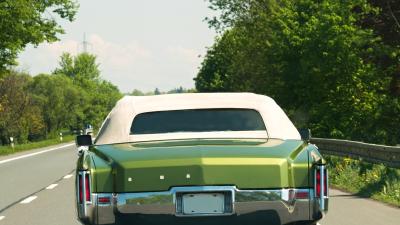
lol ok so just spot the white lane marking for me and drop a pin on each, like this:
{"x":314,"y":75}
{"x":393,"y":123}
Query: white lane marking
{"x":68,"y":176}
{"x":28,"y":199}
{"x":51,"y":186}
{"x":2,"y":217}
{"x":36,"y":153}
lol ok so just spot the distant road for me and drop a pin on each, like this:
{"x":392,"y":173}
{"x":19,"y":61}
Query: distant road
{"x":39,"y":190}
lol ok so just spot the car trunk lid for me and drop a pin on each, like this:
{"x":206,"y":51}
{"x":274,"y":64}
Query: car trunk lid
{"x":246,"y":164}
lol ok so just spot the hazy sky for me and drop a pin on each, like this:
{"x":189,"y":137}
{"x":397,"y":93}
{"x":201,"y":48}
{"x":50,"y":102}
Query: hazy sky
{"x":140,"y":44}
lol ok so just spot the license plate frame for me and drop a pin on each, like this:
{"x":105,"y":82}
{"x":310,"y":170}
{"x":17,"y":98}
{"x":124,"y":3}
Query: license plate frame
{"x":204,"y":203}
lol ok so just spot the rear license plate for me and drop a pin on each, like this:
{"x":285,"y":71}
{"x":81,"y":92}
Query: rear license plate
{"x":203,"y":203}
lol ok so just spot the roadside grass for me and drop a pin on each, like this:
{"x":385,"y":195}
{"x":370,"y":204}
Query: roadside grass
{"x":364,"y":179}
{"x":7,"y":150}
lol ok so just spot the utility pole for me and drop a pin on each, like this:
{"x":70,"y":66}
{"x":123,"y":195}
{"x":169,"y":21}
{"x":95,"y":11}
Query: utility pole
{"x":85,"y":44}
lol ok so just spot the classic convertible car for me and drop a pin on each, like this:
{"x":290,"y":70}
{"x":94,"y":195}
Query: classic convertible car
{"x":205,"y":158}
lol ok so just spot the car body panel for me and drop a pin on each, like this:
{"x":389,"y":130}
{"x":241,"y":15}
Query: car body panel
{"x":251,"y":166}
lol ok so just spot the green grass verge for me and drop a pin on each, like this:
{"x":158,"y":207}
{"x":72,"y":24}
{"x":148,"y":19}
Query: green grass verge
{"x":364,"y":179}
{"x":6,"y":150}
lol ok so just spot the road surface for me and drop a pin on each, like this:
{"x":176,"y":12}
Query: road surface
{"x":37,"y":188}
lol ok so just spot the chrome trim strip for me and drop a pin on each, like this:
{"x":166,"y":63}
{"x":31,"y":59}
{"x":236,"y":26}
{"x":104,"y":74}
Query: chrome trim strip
{"x":244,"y":202}
{"x":322,"y":192}
{"x":167,"y":200}
{"x":327,"y":182}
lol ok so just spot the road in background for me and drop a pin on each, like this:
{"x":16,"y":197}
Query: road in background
{"x":23,"y":177}
{"x":26,"y":180}
{"x":348,"y":209}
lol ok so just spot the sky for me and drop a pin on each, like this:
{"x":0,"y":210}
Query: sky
{"x":140,"y":44}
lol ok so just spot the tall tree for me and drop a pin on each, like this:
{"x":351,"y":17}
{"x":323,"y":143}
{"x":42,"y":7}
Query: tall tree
{"x":19,"y":117}
{"x":385,"y":22}
{"x":30,"y":22}
{"x":59,"y":100}
{"x":83,"y":68}
{"x":313,"y":57}
{"x":99,"y":95}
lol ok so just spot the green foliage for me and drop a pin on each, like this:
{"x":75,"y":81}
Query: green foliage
{"x":180,"y":90}
{"x":101,"y":100}
{"x":57,"y":96}
{"x":18,"y":116}
{"x":83,"y":68}
{"x":137,"y":92}
{"x":386,"y":24}
{"x":39,"y":107}
{"x":30,"y":22}
{"x":99,"y":96}
{"x":365,"y":179}
{"x":313,"y":57}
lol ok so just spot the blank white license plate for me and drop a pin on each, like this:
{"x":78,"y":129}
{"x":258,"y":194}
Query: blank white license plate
{"x":203,"y":203}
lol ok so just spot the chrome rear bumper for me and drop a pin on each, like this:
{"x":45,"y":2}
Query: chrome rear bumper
{"x":281,"y":205}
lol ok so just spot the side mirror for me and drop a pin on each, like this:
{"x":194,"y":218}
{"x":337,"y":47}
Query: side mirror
{"x":83,"y":140}
{"x":305,"y":134}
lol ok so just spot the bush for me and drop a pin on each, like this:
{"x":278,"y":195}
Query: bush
{"x":375,"y":181}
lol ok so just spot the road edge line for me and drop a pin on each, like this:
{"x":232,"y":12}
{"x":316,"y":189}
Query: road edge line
{"x":35,"y":153}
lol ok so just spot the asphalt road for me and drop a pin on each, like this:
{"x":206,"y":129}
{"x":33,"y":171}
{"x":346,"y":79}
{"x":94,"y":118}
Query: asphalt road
{"x":38,"y":190}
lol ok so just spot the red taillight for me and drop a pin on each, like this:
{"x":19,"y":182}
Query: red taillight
{"x":80,"y":191}
{"x":87,"y":187}
{"x":104,"y":199}
{"x":301,"y":195}
{"x":319,"y":183}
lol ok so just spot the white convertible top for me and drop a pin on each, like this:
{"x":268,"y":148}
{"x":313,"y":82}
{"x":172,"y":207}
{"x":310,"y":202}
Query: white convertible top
{"x":116,"y":127}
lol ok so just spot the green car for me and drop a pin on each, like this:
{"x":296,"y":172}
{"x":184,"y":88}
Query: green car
{"x":200,"y":158}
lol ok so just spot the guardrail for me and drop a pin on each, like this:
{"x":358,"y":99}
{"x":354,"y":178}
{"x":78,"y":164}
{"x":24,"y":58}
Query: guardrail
{"x":388,"y":155}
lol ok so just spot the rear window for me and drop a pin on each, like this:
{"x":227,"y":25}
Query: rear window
{"x":197,"y":120}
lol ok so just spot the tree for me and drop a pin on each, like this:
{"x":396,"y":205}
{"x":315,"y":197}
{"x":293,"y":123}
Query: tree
{"x":137,"y":92}
{"x":313,"y":57}
{"x":59,"y":100}
{"x":99,"y":96}
{"x":100,"y":101}
{"x":19,"y":117}
{"x":41,"y":107}
{"x":30,"y":22}
{"x":385,"y":22}
{"x":82,"y":68}
{"x":214,"y":74}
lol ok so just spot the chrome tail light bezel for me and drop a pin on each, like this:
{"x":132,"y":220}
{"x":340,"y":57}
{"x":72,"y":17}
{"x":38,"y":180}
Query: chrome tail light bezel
{"x":323,"y":183}
{"x":83,"y":200}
